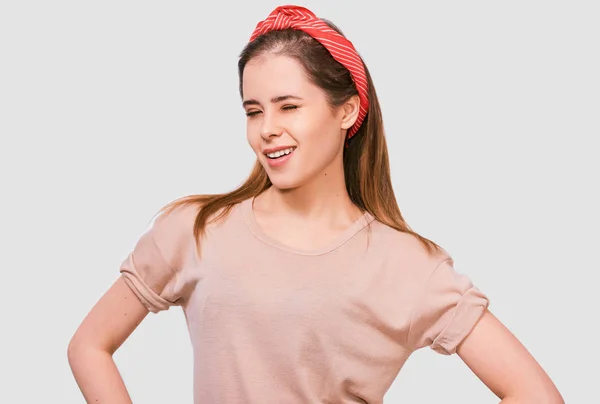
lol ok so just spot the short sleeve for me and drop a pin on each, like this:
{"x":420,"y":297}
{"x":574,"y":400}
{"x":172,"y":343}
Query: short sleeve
{"x":446,"y":311}
{"x":153,"y":268}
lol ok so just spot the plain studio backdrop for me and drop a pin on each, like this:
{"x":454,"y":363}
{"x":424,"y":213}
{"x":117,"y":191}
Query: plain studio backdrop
{"x":109,"y":110}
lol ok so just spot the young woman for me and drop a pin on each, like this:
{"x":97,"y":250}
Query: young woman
{"x":305,"y":284}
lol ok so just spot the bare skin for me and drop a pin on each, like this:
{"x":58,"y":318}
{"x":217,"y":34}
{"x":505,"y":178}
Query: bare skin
{"x":109,"y":323}
{"x":505,"y":366}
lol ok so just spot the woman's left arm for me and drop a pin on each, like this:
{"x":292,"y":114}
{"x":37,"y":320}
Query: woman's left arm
{"x":505,"y":366}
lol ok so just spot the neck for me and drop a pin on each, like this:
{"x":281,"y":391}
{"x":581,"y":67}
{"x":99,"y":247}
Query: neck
{"x":323,"y":198}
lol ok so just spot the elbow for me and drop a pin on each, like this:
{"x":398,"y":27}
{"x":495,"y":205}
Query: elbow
{"x":76,"y":344}
{"x":75,"y":349}
{"x":81,"y":355}
{"x":79,"y":348}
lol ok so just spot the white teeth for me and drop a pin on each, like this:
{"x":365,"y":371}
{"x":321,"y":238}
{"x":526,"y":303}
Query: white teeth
{"x":280,"y":153}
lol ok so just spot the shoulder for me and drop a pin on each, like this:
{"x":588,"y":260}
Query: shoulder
{"x":176,"y":219}
{"x":405,"y":251}
{"x":172,"y":231}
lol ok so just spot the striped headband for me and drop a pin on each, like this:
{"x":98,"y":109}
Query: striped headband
{"x":340,"y":48}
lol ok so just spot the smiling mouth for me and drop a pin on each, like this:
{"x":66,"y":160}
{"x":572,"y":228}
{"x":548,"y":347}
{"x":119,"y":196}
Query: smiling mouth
{"x":281,"y":153}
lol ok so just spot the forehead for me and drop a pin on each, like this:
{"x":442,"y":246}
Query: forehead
{"x":272,"y":75}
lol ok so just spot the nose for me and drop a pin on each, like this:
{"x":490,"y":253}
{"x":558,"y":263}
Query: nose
{"x":270,"y":127}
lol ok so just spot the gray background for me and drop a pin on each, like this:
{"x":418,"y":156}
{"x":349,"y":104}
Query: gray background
{"x":108,"y":110}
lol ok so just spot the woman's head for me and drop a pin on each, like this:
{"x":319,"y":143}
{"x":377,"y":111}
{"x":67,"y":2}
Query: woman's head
{"x":298,"y":97}
{"x":364,"y":162}
{"x":286,"y":62}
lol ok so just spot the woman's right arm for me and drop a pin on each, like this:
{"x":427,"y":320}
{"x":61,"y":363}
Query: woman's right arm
{"x":149,"y":282}
{"x":108,"y":324}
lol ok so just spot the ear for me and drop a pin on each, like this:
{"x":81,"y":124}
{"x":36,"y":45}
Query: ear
{"x":350,"y":112}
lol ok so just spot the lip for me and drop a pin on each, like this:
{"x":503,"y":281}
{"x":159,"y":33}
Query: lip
{"x":273,"y":163}
{"x":276,"y":149}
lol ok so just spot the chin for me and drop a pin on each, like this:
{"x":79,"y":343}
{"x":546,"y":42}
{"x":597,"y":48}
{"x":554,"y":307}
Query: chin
{"x":284,"y":184}
{"x":286,"y":180}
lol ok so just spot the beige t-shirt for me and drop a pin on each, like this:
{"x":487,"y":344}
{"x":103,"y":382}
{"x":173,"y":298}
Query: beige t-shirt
{"x":272,"y":324}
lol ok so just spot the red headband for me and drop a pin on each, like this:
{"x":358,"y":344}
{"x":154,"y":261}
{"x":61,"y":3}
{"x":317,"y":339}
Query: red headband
{"x":340,"y":48}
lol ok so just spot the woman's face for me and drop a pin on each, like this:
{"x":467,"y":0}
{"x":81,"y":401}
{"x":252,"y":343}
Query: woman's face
{"x":295,"y":134}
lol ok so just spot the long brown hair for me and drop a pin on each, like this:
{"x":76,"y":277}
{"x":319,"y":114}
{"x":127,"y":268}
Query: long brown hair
{"x":366,"y":160}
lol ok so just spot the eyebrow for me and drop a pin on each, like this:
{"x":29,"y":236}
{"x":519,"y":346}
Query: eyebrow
{"x":273,"y":100}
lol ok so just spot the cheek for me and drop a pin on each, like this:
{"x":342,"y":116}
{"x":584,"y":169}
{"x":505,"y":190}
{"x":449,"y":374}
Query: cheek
{"x":320,"y":146}
{"x":253,"y":138}
{"x":323,"y":136}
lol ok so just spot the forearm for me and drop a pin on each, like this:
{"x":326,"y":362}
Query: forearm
{"x":97,"y":376}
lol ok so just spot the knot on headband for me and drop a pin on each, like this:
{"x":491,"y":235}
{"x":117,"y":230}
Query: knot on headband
{"x":339,"y":47}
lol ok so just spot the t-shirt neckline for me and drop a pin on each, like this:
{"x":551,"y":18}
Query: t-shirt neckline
{"x":251,"y":222}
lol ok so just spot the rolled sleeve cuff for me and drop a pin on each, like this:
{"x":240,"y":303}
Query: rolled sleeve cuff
{"x":469,"y":309}
{"x":149,"y":298}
